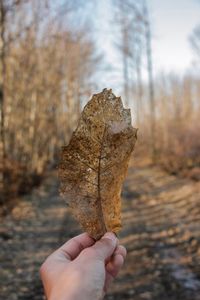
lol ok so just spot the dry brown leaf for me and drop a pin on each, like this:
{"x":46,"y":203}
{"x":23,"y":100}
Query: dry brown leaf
{"x":94,"y":164}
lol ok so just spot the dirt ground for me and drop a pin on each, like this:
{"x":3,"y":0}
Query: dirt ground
{"x":161,"y":231}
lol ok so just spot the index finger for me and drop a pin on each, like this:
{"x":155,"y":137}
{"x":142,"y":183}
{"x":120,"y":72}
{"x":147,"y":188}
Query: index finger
{"x":72,"y":248}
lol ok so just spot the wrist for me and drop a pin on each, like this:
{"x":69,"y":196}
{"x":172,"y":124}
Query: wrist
{"x":71,"y":293}
{"x":68,"y":294}
{"x":71,"y":289}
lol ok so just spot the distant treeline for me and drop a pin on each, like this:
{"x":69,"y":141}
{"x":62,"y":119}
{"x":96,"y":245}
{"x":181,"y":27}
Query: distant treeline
{"x":47,"y":71}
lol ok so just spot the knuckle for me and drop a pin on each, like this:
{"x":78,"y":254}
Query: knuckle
{"x":121,"y":250}
{"x":43,"y":269}
{"x":106,"y":242}
{"x":89,"y":252}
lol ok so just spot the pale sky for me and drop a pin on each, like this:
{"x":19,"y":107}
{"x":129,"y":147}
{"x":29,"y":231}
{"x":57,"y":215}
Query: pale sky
{"x":172,"y":23}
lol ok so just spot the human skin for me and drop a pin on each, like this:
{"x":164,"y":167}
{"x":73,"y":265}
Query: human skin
{"x":82,"y":269}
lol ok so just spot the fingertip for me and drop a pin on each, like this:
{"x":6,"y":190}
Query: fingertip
{"x":111,"y":236}
{"x":76,"y":245}
{"x":85,"y":235}
{"x":105,"y":247}
{"x":121,"y":250}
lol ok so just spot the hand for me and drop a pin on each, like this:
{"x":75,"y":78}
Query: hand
{"x":82,"y":268}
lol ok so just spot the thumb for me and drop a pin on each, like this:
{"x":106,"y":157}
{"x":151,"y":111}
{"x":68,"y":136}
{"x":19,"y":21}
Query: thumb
{"x":105,"y":247}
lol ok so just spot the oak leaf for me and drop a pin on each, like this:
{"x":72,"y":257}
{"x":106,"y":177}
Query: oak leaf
{"x":94,"y":164}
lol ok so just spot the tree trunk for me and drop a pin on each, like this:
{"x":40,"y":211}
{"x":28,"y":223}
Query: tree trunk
{"x":151,"y":83}
{"x":2,"y":102}
{"x":125,"y":50}
{"x":139,"y":83}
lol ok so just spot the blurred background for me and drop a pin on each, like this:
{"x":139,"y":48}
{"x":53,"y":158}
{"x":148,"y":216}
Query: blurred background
{"x":54,"y":54}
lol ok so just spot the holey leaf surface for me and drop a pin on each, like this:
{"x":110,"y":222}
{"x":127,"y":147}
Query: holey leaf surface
{"x":94,"y":164}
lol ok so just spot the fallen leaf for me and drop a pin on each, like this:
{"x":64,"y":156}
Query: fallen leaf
{"x":94,"y":164}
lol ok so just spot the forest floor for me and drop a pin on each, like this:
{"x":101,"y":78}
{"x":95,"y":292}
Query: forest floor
{"x":161,"y":231}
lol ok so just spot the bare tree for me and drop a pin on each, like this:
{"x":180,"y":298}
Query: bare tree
{"x":195,"y":40}
{"x":2,"y":98}
{"x":151,"y":81}
{"x":136,"y":36}
{"x":123,"y":22}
